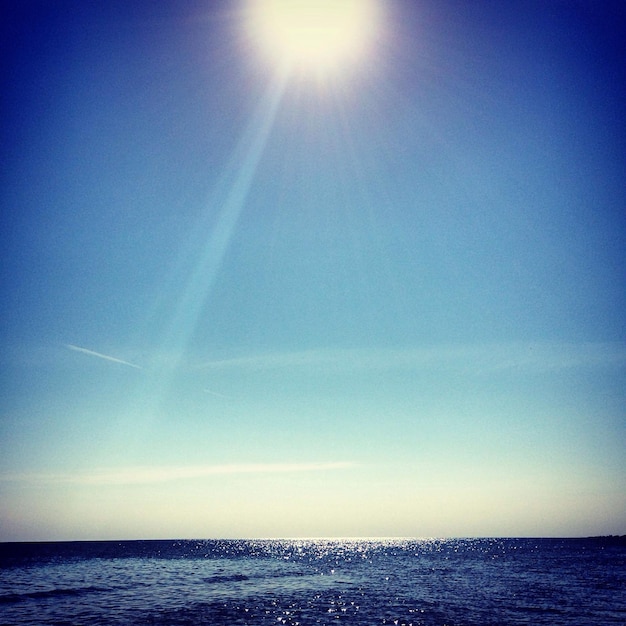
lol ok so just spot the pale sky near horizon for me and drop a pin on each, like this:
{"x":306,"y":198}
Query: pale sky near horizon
{"x":237,"y":302}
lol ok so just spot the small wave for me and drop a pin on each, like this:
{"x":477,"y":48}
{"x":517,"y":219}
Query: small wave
{"x":235,"y":578}
{"x":11,"y":598}
{"x":225,"y":579}
{"x":283,"y":575}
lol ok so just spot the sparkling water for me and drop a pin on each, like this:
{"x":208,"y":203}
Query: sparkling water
{"x":298,"y":582}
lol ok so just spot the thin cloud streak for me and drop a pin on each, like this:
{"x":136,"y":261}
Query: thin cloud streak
{"x":144,"y":475}
{"x":475,"y":358}
{"x":217,"y":394}
{"x":99,"y":355}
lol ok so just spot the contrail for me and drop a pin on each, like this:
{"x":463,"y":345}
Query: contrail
{"x":106,"y":357}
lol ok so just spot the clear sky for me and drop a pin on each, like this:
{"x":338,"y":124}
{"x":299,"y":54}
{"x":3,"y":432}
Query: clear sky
{"x":245,"y":300}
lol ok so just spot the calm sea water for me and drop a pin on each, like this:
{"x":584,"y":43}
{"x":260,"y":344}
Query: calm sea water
{"x":298,"y":582}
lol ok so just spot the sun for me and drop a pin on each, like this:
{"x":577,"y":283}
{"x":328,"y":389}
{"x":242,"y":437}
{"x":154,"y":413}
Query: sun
{"x":313,"y":36}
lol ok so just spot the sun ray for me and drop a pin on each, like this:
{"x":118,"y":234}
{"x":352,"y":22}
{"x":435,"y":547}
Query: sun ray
{"x":230,"y":197}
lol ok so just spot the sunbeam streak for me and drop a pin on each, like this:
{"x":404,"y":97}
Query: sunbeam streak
{"x":200,"y":282}
{"x":231,"y":195}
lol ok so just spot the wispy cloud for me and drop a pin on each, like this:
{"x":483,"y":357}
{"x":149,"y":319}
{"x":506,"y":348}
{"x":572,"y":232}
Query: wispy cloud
{"x":99,"y":355}
{"x":217,"y":394}
{"x":156,"y":474}
{"x":532,"y":356}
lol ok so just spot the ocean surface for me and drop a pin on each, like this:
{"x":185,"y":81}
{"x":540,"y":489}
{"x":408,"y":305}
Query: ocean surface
{"x":360,"y":582}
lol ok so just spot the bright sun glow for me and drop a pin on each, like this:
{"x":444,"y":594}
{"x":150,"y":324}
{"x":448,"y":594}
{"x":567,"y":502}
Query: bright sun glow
{"x":314,"y":36}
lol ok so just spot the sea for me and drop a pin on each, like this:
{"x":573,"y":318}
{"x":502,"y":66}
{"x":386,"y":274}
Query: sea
{"x":293,"y":582}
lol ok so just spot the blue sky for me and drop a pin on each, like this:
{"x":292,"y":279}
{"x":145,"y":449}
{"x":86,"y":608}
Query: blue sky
{"x":242,"y":304}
